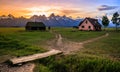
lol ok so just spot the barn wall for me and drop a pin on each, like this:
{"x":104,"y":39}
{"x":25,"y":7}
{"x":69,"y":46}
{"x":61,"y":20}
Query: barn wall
{"x":35,"y":28}
{"x":86,"y":26}
{"x":28,"y":28}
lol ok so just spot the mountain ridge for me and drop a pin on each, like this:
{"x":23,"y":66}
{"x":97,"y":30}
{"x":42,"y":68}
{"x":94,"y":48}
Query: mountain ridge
{"x":52,"y":20}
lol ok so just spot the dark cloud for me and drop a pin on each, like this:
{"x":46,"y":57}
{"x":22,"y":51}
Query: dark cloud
{"x":106,"y":7}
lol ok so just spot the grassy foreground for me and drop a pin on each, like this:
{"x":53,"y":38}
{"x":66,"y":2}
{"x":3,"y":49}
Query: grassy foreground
{"x":100,"y":56}
{"x":77,"y":63}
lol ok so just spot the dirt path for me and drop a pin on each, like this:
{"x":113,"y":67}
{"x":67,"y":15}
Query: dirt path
{"x":59,"y":41}
{"x":68,"y":47}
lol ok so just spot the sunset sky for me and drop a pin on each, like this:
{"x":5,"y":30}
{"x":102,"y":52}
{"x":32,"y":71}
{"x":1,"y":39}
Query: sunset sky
{"x":74,"y":8}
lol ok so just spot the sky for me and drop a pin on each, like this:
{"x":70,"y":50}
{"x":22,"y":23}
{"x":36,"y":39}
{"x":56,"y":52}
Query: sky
{"x":73,"y":8}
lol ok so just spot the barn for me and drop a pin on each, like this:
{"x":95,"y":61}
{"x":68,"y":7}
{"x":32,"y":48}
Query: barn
{"x":35,"y":26}
{"x":90,"y":24}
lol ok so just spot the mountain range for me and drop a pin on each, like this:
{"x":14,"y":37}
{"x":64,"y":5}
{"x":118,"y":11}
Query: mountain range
{"x":53,"y":21}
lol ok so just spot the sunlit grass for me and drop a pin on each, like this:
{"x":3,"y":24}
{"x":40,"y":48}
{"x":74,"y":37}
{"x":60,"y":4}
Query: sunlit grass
{"x":30,"y":37}
{"x":8,"y":30}
{"x":76,"y":35}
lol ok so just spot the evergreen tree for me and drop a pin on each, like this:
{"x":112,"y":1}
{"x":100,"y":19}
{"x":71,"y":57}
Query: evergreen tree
{"x":105,"y":21}
{"x":115,"y":19}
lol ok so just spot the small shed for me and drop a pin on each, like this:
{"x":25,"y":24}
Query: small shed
{"x":35,"y":26}
{"x":90,"y":24}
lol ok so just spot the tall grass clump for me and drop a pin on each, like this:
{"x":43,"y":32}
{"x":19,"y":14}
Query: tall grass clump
{"x":74,"y":63}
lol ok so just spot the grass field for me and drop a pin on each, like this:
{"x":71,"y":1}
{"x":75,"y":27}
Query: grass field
{"x":76,"y":35}
{"x":33,"y":37}
{"x":18,"y":42}
{"x":108,"y":46}
{"x":100,"y":56}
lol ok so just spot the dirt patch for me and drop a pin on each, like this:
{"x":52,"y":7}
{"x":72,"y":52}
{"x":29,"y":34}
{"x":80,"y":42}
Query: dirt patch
{"x":64,"y":46}
{"x":28,"y":67}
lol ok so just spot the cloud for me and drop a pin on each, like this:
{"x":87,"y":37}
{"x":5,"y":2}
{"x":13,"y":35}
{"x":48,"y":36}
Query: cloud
{"x":67,"y":11}
{"x":64,"y":11}
{"x":106,"y":7}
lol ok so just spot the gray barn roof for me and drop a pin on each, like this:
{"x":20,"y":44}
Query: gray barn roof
{"x":35,"y":24}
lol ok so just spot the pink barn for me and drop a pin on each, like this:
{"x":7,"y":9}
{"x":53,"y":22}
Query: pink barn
{"x":90,"y":24}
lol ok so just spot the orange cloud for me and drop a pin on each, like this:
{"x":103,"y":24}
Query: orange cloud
{"x":40,"y":10}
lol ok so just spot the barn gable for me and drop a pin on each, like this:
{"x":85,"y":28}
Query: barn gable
{"x":90,"y":24}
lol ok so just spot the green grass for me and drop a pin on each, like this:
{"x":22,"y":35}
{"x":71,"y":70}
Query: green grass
{"x":78,"y":36}
{"x":108,"y":46}
{"x":99,"y":56}
{"x":18,"y":42}
{"x":33,"y":37}
{"x":77,"y":63}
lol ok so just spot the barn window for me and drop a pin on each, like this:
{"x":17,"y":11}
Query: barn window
{"x":86,"y":22}
{"x":82,"y":26}
{"x":95,"y":21}
{"x":89,"y":27}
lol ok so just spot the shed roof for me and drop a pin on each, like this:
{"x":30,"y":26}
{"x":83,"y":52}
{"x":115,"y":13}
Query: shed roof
{"x":35,"y":24}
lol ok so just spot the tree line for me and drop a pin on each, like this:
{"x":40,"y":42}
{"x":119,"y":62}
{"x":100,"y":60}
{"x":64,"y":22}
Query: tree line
{"x":115,"y":20}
